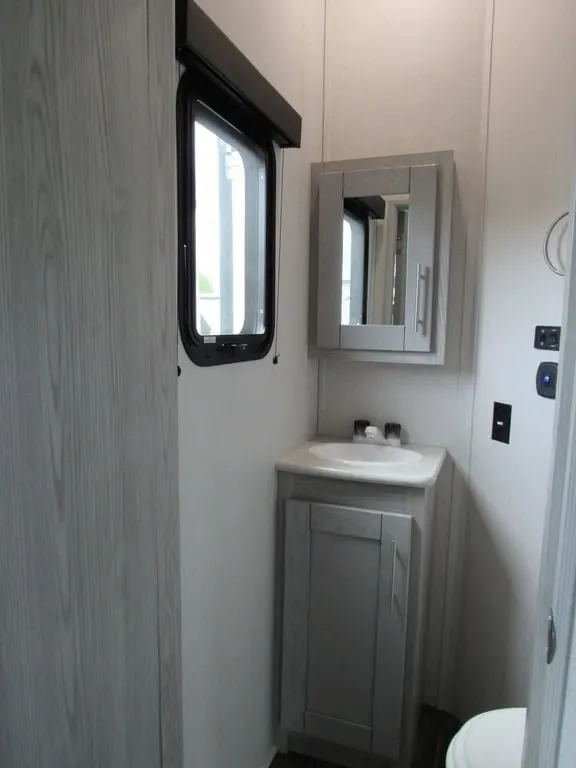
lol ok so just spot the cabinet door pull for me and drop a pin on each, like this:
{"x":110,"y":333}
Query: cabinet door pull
{"x":393,"y":586}
{"x":421,"y":277}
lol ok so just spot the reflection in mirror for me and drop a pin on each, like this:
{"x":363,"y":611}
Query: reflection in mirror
{"x":374,"y":239}
{"x":353,"y":264}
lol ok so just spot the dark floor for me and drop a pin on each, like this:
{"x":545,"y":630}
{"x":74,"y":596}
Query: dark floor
{"x":435,"y":734}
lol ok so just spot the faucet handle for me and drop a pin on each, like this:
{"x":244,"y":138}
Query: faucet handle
{"x":360,"y":426}
{"x":393,"y":433}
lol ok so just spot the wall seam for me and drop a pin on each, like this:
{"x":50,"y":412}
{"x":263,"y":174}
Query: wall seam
{"x":485,"y":147}
{"x":322,"y":363}
{"x":457,"y":527}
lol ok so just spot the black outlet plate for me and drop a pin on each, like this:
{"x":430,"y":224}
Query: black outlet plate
{"x":501,"y":421}
{"x":547,"y":337}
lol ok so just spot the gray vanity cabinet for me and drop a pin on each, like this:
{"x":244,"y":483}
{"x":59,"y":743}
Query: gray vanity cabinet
{"x":345,"y":615}
{"x":353,"y":589}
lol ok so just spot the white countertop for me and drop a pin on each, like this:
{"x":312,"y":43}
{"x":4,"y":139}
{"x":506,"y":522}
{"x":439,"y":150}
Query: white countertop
{"x":302,"y":461}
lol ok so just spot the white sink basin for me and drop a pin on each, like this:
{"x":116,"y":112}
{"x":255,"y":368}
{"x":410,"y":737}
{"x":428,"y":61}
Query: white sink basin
{"x":413,"y":465}
{"x":365,"y":454}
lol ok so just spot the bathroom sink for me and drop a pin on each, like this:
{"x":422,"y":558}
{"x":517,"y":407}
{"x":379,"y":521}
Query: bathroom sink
{"x":410,"y":465}
{"x":364,"y":454}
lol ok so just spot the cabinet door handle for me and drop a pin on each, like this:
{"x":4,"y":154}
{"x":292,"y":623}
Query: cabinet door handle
{"x":393,"y":585}
{"x":421,"y":276}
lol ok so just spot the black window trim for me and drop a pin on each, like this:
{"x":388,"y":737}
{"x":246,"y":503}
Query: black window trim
{"x":197,"y":90}
{"x":200,"y":42}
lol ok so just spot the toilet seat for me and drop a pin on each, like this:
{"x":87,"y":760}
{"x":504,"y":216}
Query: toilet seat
{"x":490,"y":740}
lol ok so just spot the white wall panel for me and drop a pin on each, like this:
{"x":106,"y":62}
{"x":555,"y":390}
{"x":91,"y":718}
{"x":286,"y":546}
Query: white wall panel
{"x":407,"y":78}
{"x":413,"y":80}
{"x":234,"y":422}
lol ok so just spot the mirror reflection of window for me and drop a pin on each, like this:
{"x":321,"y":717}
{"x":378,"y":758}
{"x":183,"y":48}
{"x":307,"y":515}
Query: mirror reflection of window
{"x":387,"y":274}
{"x":353,"y":263}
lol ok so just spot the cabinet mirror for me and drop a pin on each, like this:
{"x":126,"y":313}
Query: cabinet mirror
{"x":382,"y":242}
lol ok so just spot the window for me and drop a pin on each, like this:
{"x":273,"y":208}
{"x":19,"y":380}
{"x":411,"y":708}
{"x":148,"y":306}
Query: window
{"x":230,"y":232}
{"x":353,"y":269}
{"x":227,"y":186}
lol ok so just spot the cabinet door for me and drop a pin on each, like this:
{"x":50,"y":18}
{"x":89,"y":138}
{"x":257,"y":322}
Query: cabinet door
{"x":394,"y":587}
{"x":420,"y":277}
{"x":346,"y":591}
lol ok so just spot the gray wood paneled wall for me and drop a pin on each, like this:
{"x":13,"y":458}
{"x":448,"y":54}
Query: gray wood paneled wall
{"x":89,"y":550}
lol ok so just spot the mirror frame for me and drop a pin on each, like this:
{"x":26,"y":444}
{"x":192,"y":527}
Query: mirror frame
{"x":429,"y":179}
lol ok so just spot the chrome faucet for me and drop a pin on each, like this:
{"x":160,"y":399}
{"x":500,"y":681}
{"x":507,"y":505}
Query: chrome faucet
{"x":374,"y":435}
{"x":364,"y":432}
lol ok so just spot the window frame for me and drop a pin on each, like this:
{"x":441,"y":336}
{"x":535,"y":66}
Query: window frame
{"x":199,"y":93}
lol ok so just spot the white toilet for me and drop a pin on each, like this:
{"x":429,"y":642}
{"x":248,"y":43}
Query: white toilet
{"x":490,"y":740}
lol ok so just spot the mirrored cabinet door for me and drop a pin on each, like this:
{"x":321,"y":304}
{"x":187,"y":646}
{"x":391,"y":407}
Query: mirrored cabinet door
{"x":376,"y":257}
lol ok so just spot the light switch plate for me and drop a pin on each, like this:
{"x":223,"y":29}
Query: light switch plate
{"x":501,"y":421}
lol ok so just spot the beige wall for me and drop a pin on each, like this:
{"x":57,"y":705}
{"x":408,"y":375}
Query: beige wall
{"x":400,"y":77}
{"x":531,"y":169}
{"x":234,"y":422}
{"x":410,"y":80}
{"x":412,"y":77}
